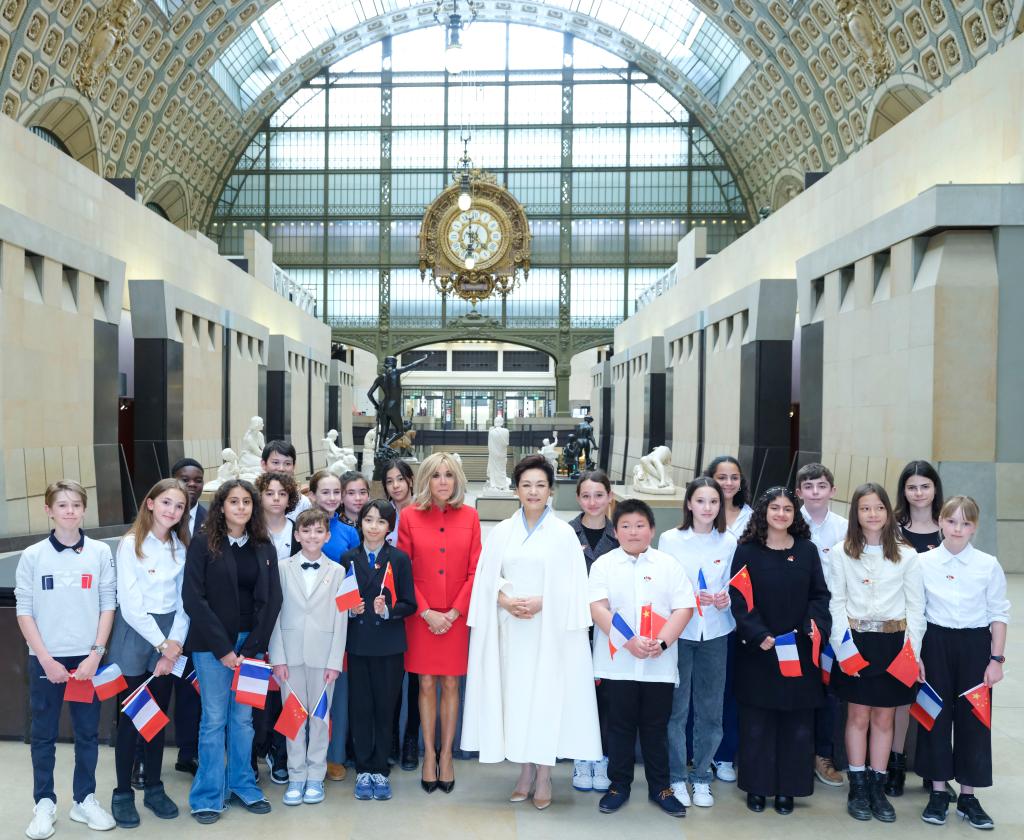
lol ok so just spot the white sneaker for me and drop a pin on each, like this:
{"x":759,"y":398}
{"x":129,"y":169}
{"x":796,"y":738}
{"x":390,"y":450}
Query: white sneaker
{"x":90,"y":812}
{"x":725,"y":771}
{"x":702,"y":795}
{"x":681,"y":792}
{"x":601,"y":781}
{"x":582,"y":775}
{"x":45,"y":815}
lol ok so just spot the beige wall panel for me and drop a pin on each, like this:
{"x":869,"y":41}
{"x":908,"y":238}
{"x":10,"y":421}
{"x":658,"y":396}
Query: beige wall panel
{"x":722,"y":397}
{"x":14,"y":474}
{"x":244,"y":390}
{"x":620,"y":370}
{"x":317,"y":420}
{"x":1010,"y":492}
{"x":299,"y":367}
{"x":202,"y":378}
{"x":1010,"y":534}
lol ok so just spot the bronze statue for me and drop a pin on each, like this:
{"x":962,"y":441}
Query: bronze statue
{"x":571,"y":456}
{"x":585,"y":436}
{"x":390,"y":426}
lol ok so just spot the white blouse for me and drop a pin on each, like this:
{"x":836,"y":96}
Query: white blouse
{"x":963,"y":590}
{"x":825,"y":534}
{"x":152,"y":586}
{"x":872,"y":588}
{"x":711,"y":554}
{"x":740,"y":524}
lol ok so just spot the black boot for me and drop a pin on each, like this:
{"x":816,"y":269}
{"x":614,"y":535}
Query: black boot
{"x":896,"y":773}
{"x":857,"y":803}
{"x":159,"y":802}
{"x":122,"y":809}
{"x":410,"y":754}
{"x":396,"y":753}
{"x":881,"y":808}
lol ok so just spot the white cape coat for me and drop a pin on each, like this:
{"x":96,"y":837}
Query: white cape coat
{"x":563,"y":708}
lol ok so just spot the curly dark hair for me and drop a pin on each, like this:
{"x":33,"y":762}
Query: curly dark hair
{"x":757,"y":527}
{"x":287,"y":483}
{"x":216,"y":527}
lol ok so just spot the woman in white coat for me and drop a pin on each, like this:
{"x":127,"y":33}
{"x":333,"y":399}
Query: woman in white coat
{"x":530,"y":682}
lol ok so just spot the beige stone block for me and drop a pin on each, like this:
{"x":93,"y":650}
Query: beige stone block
{"x":858,"y":471}
{"x":893,"y":469}
{"x":72,"y":469}
{"x":54,"y":464}
{"x":87,"y":466}
{"x":842,"y":474}
{"x":35,"y":472}
{"x":17,"y":517}
{"x":876,"y":469}
{"x":1010,"y":492}
{"x":92,"y":512}
{"x":1010,"y":545}
{"x":841,"y":508}
{"x":14,"y":474}
{"x":38,"y":521}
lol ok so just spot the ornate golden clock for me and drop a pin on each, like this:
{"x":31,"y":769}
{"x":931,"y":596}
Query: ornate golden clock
{"x":479,"y":251}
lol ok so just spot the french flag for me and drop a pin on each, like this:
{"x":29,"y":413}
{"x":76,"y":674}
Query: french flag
{"x":828,"y":658}
{"x":850,"y":659}
{"x":789,"y":657}
{"x":702,"y":586}
{"x":251,"y":683}
{"x":618,"y":634}
{"x":146,"y":714}
{"x":926,"y":707}
{"x":322,"y":709}
{"x":194,"y":679}
{"x":348,"y":595}
{"x":108,"y":681}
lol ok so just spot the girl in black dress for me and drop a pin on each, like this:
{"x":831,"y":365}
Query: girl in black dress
{"x":776,"y":713}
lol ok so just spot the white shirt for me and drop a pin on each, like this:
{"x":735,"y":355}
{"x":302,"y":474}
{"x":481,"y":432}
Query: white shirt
{"x":309,"y":575}
{"x":875,"y":589}
{"x":830,"y":531}
{"x":303,"y":504}
{"x":963,"y":590}
{"x":192,"y":520}
{"x":630,"y":583}
{"x":152,"y":586}
{"x":282,"y":541}
{"x":712,"y":554}
{"x":740,"y":525}
{"x":238,"y":542}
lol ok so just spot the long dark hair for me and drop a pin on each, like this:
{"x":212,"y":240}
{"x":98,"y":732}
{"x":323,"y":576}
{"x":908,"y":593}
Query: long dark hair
{"x":854,"y":543}
{"x":216,"y":527}
{"x":743,"y":494}
{"x":693,"y":487}
{"x":597,"y":476}
{"x":757,"y":527}
{"x":925,"y":470}
{"x":404,"y":470}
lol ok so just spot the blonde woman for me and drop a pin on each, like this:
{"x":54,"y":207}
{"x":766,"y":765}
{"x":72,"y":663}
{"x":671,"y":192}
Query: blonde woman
{"x":441,"y":535}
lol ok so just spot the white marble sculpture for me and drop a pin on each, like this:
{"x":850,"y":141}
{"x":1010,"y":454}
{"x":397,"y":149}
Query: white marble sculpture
{"x":369,"y":450}
{"x":547,"y":449}
{"x":497,"y":458}
{"x":650,"y":475}
{"x":228,"y":471}
{"x":340,"y":459}
{"x":252,"y":448}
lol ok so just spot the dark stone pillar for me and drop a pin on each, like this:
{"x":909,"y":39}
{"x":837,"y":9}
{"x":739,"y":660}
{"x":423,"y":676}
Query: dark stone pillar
{"x":159,"y":410}
{"x":812,"y":344}
{"x":106,"y":451}
{"x":765,"y":390}
{"x":279,"y":405}
{"x":654,"y":411}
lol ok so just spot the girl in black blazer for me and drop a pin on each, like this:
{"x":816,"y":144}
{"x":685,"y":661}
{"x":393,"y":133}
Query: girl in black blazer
{"x":232,"y":594}
{"x":376,"y":645}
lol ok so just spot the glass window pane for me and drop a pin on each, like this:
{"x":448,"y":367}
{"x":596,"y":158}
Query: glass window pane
{"x":538,"y":192}
{"x":405,"y":237}
{"x":304,"y":109}
{"x":476,"y":104}
{"x":417,"y":149}
{"x":297,"y":150}
{"x":483,"y":45}
{"x":414,"y":302}
{"x":298,"y":242}
{"x":486,"y":148}
{"x":651,"y":103}
{"x":296,"y":194}
{"x":598,"y":241}
{"x":535,"y":302}
{"x":655,"y":240}
{"x":535,"y":104}
{"x":534,"y":147}
{"x":354,"y":106}
{"x":587,"y":55}
{"x":353,"y":242}
{"x":353,"y":150}
{"x":599,"y":147}
{"x":603,"y":103}
{"x":420,"y":49}
{"x":353,"y":194}
{"x":596,"y":296}
{"x":412,"y":193}
{"x":599,"y":192}
{"x":530,"y":48}
{"x":659,"y":191}
{"x":545,"y":241}
{"x":659,"y":146}
{"x":417,"y":106}
{"x":353,"y":297}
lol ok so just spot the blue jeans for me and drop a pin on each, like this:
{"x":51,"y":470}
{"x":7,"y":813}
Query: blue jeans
{"x":339,"y":721}
{"x":730,"y":715}
{"x":702,"y":674}
{"x":213,"y":782}
{"x":46,"y":699}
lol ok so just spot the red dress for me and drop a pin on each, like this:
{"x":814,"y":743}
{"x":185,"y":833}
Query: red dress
{"x":444,"y":546}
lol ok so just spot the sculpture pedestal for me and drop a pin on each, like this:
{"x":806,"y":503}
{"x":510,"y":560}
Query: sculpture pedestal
{"x":565,"y":494}
{"x":492,"y":506}
{"x":668,"y":509}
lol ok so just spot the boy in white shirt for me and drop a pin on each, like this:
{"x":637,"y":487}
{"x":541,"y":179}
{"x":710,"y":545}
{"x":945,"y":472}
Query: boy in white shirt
{"x":66,"y":594}
{"x":816,"y":487}
{"x":644,"y":588}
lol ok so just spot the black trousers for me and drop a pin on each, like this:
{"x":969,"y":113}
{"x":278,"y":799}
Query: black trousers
{"x":601,"y":691}
{"x":265,"y":738}
{"x":776,"y":751}
{"x":187,"y":711}
{"x":374,"y":685}
{"x":644,"y":708}
{"x":128,"y":736}
{"x":959,"y":745}
{"x":412,"y":712}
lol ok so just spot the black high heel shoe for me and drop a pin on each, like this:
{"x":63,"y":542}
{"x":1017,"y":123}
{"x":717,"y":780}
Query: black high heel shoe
{"x":430,"y":787}
{"x":446,"y":787}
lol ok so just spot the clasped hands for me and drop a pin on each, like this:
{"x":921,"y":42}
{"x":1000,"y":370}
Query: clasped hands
{"x":643,"y":647}
{"x":520,"y":607}
{"x":720,"y":600}
{"x":379,"y":606}
{"x":439,"y":622}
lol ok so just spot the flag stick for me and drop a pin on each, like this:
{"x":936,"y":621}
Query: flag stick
{"x":385,"y":579}
{"x":132,"y":695}
{"x":292,"y":691}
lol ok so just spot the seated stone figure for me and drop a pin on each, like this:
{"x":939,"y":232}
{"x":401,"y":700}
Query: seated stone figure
{"x":650,"y":474}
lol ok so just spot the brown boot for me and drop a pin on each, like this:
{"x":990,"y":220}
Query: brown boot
{"x":826,"y":772}
{"x":336,"y":772}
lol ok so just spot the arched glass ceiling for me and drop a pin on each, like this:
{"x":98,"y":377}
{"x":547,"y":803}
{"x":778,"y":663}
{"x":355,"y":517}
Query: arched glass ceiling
{"x":289,"y":29}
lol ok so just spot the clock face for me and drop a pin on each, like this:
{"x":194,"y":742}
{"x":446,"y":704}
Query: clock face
{"x":477,"y":232}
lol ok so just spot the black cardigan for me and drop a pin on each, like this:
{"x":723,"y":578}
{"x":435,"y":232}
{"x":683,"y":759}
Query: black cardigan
{"x":369,"y":634}
{"x":789,"y":590}
{"x":209,"y":593}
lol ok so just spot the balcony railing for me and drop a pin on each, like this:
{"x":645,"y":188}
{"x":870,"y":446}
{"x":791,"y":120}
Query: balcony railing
{"x":666,"y":280}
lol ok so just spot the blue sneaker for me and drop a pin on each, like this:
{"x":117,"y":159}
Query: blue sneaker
{"x":293,"y":796}
{"x":381,"y":786}
{"x":314,"y":793}
{"x":364,"y":786}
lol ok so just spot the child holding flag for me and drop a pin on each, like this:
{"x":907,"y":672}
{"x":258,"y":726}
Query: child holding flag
{"x":307,"y":649}
{"x":877,"y":618}
{"x":65,"y":592}
{"x":376,"y":645}
{"x":149,"y":632}
{"x":704,"y":548}
{"x":961,"y":658}
{"x":626,"y":583}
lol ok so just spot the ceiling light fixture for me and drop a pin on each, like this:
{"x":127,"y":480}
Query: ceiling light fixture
{"x":454,"y":23}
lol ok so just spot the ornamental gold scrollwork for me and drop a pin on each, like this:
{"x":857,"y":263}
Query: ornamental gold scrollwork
{"x":105,"y":38}
{"x":861,"y":26}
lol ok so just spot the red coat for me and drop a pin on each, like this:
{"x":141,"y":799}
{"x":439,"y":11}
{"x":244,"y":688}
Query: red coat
{"x":444,"y":546}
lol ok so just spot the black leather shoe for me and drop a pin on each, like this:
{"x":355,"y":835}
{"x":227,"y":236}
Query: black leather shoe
{"x":205,"y":817}
{"x":138,"y":776}
{"x":969,"y":808}
{"x":613,"y":800}
{"x":755,"y":802}
{"x":881,"y":808}
{"x":122,"y":809}
{"x":396,"y":752}
{"x":666,"y":800}
{"x":260,"y":806}
{"x":278,"y":768}
{"x":896,"y":774}
{"x":157,"y":800}
{"x":191,"y":766}
{"x":858,"y":805}
{"x":430,"y":787}
{"x":410,"y":754}
{"x":784,"y":805}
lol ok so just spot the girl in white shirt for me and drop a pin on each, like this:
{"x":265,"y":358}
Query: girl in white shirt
{"x":149,"y":631}
{"x":279,"y":494}
{"x":704,"y":548}
{"x":967,"y":613}
{"x":877,"y":595}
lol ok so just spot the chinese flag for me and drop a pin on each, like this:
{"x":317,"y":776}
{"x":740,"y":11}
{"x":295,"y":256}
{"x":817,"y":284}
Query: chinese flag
{"x":650,"y":622}
{"x":904,"y":666}
{"x":741,"y":581}
{"x":389,"y":584}
{"x":980,"y":698}
{"x":78,"y":691}
{"x":815,"y":644}
{"x":292,"y":718}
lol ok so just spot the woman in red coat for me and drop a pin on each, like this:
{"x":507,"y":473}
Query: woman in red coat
{"x":442,"y":537}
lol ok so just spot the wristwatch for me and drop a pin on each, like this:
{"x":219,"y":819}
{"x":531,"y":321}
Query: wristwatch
{"x":100,"y":649}
{"x":663,"y":643}
{"x":162,"y":647}
{"x":999,"y":659}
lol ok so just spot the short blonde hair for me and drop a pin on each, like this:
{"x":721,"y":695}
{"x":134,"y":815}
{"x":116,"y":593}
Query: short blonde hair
{"x":65,"y":485}
{"x":431,"y":464}
{"x":965,"y":504}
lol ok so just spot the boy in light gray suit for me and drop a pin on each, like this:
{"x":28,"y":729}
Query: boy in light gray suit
{"x":307,"y":649}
